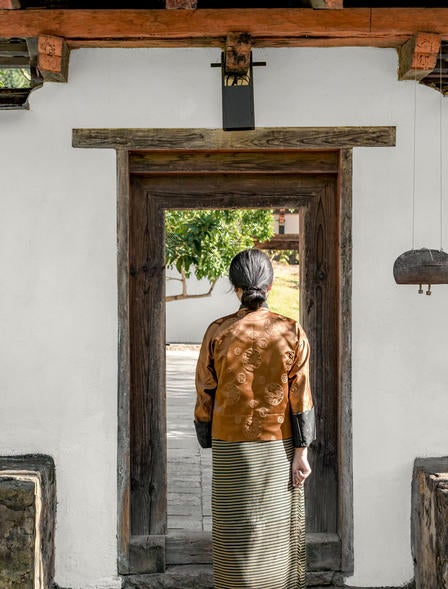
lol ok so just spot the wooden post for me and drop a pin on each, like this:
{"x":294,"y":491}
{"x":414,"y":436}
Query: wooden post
{"x":9,"y":4}
{"x":53,"y":58}
{"x":181,"y":4}
{"x":418,"y":56}
{"x":237,"y":53}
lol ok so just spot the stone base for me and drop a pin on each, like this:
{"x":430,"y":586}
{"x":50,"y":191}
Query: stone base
{"x":27,"y":520}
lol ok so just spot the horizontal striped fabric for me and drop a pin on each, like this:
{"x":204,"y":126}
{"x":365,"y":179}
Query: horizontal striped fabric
{"x":258,"y":517}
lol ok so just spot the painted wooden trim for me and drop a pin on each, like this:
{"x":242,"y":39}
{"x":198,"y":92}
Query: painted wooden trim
{"x":418,"y":56}
{"x":53,"y":58}
{"x":263,"y":138}
{"x":282,"y":27}
{"x":123,"y":455}
{"x":346,"y":521}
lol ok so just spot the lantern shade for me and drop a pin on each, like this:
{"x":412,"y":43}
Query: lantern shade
{"x":423,"y":266}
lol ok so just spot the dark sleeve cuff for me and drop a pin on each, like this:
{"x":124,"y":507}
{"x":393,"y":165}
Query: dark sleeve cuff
{"x":204,"y":433}
{"x":303,"y":428}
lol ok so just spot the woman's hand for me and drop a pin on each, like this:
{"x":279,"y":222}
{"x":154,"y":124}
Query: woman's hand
{"x":300,"y":468}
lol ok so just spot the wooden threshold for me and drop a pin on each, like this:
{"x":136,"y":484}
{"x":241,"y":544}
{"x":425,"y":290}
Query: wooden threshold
{"x":282,"y":27}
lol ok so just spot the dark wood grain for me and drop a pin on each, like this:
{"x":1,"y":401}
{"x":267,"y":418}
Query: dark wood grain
{"x":124,"y":370}
{"x":312,"y":192}
{"x":319,"y":317}
{"x":345,"y":457}
{"x":263,"y":138}
{"x":147,"y":364}
{"x":218,"y":162}
{"x":323,"y":550}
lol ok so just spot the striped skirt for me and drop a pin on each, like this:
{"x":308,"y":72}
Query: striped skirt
{"x":258,"y":517}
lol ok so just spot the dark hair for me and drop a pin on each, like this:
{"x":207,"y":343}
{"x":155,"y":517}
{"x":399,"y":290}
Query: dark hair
{"x":251,"y":270}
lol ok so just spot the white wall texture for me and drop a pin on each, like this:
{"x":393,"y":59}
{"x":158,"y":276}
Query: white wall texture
{"x":58,"y":307}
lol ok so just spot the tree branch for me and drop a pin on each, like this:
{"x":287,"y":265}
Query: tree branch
{"x":185,"y":295}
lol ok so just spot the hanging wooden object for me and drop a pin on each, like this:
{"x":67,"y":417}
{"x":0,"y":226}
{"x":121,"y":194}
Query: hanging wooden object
{"x":423,"y":266}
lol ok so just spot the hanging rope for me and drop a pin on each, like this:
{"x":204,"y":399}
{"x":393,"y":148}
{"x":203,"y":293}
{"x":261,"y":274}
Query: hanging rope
{"x":413,"y":162}
{"x":441,"y":146}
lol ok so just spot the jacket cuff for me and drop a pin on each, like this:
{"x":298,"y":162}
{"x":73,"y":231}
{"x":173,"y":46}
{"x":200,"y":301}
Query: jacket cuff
{"x":204,"y":433}
{"x":303,"y":428}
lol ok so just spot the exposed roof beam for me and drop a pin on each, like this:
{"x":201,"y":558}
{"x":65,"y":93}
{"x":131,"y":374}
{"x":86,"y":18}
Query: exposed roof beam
{"x":379,"y":27}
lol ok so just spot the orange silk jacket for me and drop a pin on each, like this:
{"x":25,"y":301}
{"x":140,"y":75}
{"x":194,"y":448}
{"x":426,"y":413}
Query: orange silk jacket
{"x":252,"y":380}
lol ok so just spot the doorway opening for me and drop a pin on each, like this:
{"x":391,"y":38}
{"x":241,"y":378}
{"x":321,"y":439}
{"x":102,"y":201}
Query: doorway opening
{"x":195,"y":297}
{"x":152,"y":193}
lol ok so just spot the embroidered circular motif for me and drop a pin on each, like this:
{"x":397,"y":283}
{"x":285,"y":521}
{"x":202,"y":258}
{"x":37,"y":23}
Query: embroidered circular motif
{"x":288,"y":359}
{"x":274,"y":394}
{"x":280,"y":419}
{"x":232,"y":393}
{"x":251,"y":428}
{"x":284,"y":378}
{"x":237,"y":351}
{"x":251,"y":359}
{"x":262,"y":342}
{"x":253,"y":403}
{"x":263,"y":412}
{"x":241,"y":377}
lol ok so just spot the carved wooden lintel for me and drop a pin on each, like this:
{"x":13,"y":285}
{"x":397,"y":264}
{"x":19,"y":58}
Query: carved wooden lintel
{"x":418,"y":56}
{"x":328,"y":4}
{"x":9,"y":4}
{"x":237,"y":53}
{"x":181,"y":4}
{"x":53,"y":58}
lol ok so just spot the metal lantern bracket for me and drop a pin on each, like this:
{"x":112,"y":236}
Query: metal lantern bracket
{"x":237,"y":83}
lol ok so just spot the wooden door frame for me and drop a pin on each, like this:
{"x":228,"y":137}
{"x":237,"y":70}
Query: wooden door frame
{"x":133,"y":551}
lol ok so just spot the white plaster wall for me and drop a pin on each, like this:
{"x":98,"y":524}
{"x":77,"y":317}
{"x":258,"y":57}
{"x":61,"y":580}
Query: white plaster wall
{"x":187,"y":320}
{"x":58,"y":307}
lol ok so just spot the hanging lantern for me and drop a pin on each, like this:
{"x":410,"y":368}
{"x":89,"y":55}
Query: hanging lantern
{"x":425,"y":266}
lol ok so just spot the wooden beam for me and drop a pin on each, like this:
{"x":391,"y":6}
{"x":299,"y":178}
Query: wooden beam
{"x":9,"y":4}
{"x":238,"y":53}
{"x":418,"y":56}
{"x":263,"y":138}
{"x":182,"y":28}
{"x":282,"y":27}
{"x":53,"y":58}
{"x":327,"y":4}
{"x":181,"y":4}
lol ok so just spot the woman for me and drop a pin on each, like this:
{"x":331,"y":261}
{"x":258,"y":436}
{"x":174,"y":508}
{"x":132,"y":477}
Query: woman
{"x":254,"y":408}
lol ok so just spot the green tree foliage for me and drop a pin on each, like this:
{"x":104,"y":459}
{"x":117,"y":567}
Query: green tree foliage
{"x":15,"y":78}
{"x":203,"y":242}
